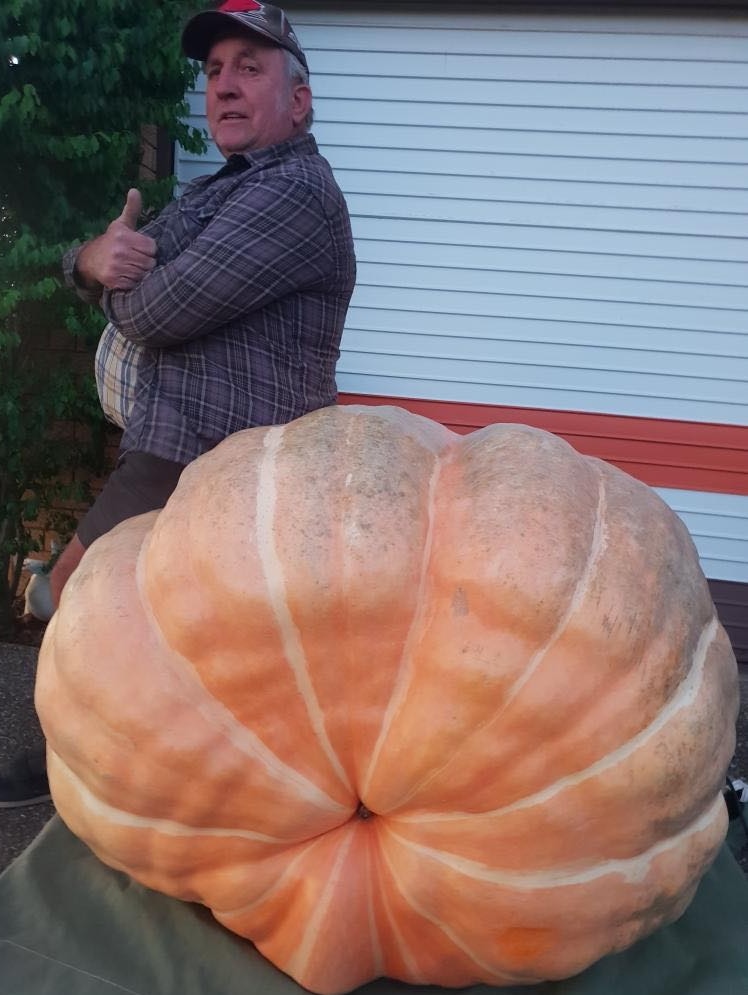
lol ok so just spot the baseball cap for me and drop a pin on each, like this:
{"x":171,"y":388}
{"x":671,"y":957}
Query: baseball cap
{"x":261,"y":18}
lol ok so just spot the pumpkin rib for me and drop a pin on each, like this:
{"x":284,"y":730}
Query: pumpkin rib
{"x":572,"y":921}
{"x":354,"y":622}
{"x":596,"y":550}
{"x":203,"y":617}
{"x":685,"y":694}
{"x":404,"y":677}
{"x":485,"y":972}
{"x":288,"y":873}
{"x":478,"y":591}
{"x":103,"y":810}
{"x":299,"y":962}
{"x":382,"y":881}
{"x":292,"y":909}
{"x":678,"y":551}
{"x":375,"y":934}
{"x":220,"y":715}
{"x":632,"y":869}
{"x":272,"y":570}
{"x":415,"y":972}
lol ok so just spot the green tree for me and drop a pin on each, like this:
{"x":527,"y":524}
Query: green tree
{"x":78,"y":80}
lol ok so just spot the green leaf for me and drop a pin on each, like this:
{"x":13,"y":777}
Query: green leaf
{"x":89,"y":74}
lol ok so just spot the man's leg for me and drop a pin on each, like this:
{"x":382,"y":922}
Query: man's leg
{"x":66,"y":563}
{"x":139,"y":483}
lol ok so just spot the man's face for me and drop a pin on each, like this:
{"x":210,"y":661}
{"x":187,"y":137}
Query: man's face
{"x":250,"y":101}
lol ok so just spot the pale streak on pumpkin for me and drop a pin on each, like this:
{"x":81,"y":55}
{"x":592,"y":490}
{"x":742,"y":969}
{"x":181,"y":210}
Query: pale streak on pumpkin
{"x":288,"y":874}
{"x":116,"y":816}
{"x":299,"y":963}
{"x":633,"y":870}
{"x":300,"y":960}
{"x":221,"y":716}
{"x":490,"y":972}
{"x":684,"y":697}
{"x":417,"y":976}
{"x":597,"y":548}
{"x":276,"y":586}
{"x":377,"y":951}
{"x":405,"y":672}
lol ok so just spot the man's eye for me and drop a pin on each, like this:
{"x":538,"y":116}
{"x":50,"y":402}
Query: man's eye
{"x":248,"y":67}
{"x":212,"y":72}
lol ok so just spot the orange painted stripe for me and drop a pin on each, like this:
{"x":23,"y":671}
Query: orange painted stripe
{"x":697,"y":456}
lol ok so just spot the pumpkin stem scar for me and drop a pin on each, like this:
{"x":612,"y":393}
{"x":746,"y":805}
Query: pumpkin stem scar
{"x":363,"y":812}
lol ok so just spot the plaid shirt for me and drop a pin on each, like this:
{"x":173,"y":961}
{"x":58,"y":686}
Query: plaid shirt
{"x":116,"y":369}
{"x":239,"y":324}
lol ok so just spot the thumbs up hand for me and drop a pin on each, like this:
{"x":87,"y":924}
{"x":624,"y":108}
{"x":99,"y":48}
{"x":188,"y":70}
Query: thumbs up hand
{"x":121,"y":257}
{"x":132,"y":209}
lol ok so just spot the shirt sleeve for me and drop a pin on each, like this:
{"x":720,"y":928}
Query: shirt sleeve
{"x":70,"y":258}
{"x":269,"y":239}
{"x":68,"y":271}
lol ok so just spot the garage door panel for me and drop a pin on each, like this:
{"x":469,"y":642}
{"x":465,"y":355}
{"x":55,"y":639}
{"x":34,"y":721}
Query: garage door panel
{"x":506,"y":38}
{"x":564,"y":262}
{"x":504,"y":117}
{"x":567,"y":192}
{"x":722,"y":225}
{"x":480,"y":279}
{"x":601,"y":355}
{"x":539,"y":332}
{"x":489,"y":302}
{"x":595,"y":242}
{"x":433,"y":136}
{"x":607,"y":72}
{"x":571,"y":168}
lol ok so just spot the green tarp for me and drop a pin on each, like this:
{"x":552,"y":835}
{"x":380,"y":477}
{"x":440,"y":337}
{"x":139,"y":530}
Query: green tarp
{"x":71,"y":926}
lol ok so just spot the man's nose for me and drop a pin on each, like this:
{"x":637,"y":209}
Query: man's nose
{"x":226,"y":82}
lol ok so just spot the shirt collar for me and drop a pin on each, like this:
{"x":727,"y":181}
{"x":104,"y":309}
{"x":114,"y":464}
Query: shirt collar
{"x":240,"y":161}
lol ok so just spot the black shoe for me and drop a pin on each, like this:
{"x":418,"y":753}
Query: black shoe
{"x":24,"y":780}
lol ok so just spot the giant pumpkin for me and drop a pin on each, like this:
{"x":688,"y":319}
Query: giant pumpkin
{"x":392,"y":701}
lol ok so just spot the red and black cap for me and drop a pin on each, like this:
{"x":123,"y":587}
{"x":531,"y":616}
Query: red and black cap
{"x":261,"y":18}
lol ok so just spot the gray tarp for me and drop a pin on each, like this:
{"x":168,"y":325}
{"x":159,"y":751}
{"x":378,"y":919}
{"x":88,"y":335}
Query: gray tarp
{"x":71,"y":926}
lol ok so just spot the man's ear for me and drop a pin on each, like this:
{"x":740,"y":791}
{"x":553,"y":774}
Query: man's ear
{"x":301,"y":103}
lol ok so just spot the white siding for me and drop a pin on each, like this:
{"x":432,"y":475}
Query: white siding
{"x":549,"y":210}
{"x":718,"y":524}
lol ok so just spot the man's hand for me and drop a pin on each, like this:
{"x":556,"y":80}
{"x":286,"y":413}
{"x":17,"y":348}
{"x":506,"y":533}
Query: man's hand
{"x":121,"y":257}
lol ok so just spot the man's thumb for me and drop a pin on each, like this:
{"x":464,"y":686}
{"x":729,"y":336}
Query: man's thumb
{"x":131,"y":211}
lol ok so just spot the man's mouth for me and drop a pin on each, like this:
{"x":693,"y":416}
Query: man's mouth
{"x":231,"y":116}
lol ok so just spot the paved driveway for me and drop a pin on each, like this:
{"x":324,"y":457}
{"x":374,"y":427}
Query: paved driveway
{"x":19,"y":726}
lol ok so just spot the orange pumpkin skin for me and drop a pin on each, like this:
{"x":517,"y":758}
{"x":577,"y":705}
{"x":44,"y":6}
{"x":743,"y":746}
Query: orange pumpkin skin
{"x":396,"y":702}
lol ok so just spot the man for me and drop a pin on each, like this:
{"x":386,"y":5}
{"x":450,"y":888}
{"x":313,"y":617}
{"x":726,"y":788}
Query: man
{"x":227,"y":310}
